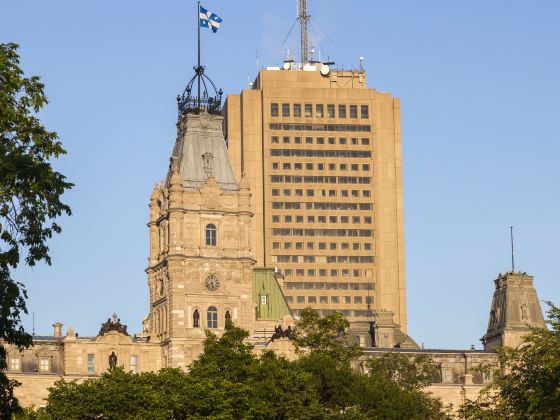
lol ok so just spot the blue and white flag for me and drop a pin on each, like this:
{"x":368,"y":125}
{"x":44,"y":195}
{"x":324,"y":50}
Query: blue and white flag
{"x":209,"y":20}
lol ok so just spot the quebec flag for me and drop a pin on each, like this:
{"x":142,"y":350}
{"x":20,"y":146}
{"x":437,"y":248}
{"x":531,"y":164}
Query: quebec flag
{"x":209,"y":20}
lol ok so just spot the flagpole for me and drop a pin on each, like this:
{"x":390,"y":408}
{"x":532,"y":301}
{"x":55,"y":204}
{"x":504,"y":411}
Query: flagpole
{"x":198,"y":68}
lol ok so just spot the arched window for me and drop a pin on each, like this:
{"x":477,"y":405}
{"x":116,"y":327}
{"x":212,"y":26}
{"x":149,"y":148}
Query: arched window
{"x":212,"y":317}
{"x":211,"y":235}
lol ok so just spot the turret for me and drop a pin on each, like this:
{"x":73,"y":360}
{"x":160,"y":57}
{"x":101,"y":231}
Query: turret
{"x":515,"y":307}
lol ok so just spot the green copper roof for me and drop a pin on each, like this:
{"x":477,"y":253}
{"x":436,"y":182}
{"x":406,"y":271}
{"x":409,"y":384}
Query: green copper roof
{"x":266,"y":284}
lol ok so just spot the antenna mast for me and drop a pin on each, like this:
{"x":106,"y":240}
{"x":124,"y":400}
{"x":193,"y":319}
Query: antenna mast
{"x":512,"y":261}
{"x":303,"y":18}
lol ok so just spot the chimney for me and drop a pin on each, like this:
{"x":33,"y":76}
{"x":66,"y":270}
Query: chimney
{"x":57,"y":329}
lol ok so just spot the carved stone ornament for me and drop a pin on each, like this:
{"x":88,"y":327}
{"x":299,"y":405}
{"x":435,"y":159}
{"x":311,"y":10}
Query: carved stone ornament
{"x":113,"y":324}
{"x":204,"y":120}
{"x":211,"y":194}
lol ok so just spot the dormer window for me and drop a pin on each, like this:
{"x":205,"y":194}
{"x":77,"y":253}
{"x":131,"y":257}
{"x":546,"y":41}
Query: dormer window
{"x":15,"y":363}
{"x":44,"y":364}
{"x":211,"y":235}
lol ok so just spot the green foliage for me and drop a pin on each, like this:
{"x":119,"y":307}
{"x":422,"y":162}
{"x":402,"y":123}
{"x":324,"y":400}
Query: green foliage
{"x":30,"y":191}
{"x":325,"y":335}
{"x":408,"y":372}
{"x":528,"y":386}
{"x":229,"y":381}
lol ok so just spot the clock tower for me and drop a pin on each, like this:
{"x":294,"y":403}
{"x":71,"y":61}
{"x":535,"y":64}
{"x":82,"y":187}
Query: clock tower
{"x":200,"y":265}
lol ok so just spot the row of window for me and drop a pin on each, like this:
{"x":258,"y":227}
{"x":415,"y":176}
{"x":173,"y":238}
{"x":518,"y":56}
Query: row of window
{"x":321,"y":111}
{"x":318,"y":140}
{"x":327,"y":206}
{"x":298,"y":285}
{"x":44,"y":364}
{"x":321,"y":153}
{"x":359,"y":128}
{"x":91,"y":364}
{"x":300,"y":272}
{"x":333,"y":299}
{"x":321,"y":179}
{"x":362,"y":259}
{"x":323,"y":219}
{"x":345,"y":246}
{"x":367,"y":233}
{"x":211,"y":317}
{"x":309,"y":166}
{"x":344,"y":312}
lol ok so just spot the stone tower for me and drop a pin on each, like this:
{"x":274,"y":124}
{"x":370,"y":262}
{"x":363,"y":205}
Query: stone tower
{"x":515,"y":308}
{"x":200,"y":266}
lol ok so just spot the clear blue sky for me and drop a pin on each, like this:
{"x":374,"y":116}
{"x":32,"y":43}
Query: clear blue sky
{"x":480,"y":95}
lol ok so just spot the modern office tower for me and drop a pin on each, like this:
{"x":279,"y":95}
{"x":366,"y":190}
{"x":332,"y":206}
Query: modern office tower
{"x":322,"y":154}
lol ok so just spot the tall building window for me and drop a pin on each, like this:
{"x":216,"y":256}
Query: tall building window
{"x":210,"y":235}
{"x":134,"y":364}
{"x":330,"y":111}
{"x":212,"y":317}
{"x":308,"y":110}
{"x":341,"y":111}
{"x":353,"y":111}
{"x":273,"y":110}
{"x":365,"y":141}
{"x":319,"y":110}
{"x":285,"y":110}
{"x":91,"y":364}
{"x":274,"y":139}
{"x":297,"y":110}
{"x":364,"y":111}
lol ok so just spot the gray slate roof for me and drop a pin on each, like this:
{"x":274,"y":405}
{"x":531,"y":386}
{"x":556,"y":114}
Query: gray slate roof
{"x":200,"y":134}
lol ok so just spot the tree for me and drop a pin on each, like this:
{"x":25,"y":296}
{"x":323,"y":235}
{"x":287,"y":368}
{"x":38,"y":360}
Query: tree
{"x":408,"y":372}
{"x":326,"y":334}
{"x":30,"y":192}
{"x":527,"y":386}
{"x":392,"y":388}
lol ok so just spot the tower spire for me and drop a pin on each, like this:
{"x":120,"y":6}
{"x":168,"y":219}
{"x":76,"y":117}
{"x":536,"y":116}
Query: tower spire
{"x":511,"y":238}
{"x":303,"y":18}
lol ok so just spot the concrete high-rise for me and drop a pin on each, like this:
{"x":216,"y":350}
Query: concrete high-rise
{"x":322,"y":153}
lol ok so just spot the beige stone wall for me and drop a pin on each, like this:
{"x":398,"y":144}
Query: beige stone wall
{"x":455,"y":394}
{"x":148,"y":355}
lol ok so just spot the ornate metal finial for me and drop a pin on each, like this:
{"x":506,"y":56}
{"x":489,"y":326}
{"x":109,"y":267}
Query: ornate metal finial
{"x":208,"y":99}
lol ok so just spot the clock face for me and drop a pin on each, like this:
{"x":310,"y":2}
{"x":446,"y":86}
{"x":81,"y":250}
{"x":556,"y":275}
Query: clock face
{"x":212,"y":283}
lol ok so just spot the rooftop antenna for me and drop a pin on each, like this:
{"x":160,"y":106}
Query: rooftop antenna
{"x":512,"y":260}
{"x":33,"y":323}
{"x":303,"y":18}
{"x":249,"y":78}
{"x":361,"y":63}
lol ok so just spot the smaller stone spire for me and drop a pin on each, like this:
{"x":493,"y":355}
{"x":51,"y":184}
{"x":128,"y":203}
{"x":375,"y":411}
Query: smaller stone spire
{"x":515,"y":307}
{"x":244,"y":193}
